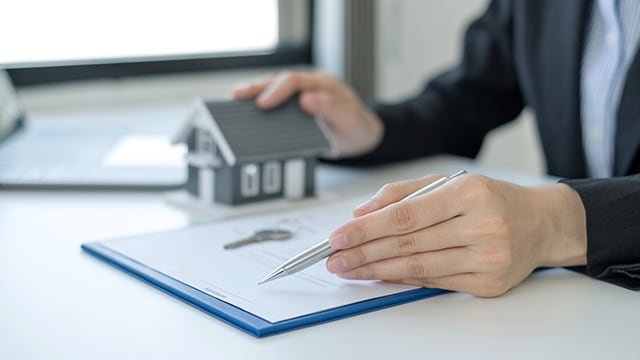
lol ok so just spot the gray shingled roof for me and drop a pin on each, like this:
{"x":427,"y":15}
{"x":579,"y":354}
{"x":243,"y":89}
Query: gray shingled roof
{"x":256,"y":135}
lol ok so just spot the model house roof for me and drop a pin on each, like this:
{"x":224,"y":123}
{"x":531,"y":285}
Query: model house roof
{"x":245,"y":133}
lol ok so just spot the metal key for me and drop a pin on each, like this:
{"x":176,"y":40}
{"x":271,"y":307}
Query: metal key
{"x":261,"y":235}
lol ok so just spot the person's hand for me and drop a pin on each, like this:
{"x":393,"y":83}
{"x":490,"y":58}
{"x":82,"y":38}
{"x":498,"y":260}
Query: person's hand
{"x":474,"y":235}
{"x":353,"y":128}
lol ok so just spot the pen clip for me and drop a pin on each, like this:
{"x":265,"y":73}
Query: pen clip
{"x":434,"y":185}
{"x":455,"y":175}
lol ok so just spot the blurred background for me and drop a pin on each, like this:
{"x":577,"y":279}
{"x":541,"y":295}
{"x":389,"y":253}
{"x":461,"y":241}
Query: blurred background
{"x":93,"y":54}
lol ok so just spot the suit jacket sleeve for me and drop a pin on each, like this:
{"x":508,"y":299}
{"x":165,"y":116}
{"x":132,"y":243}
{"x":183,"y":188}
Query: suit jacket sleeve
{"x":613,"y":228}
{"x":455,"y":111}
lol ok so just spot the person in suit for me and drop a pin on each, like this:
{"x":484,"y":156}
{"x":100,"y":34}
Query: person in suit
{"x":575,"y":64}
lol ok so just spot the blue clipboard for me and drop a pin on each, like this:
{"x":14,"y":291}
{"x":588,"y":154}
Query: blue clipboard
{"x":240,"y":318}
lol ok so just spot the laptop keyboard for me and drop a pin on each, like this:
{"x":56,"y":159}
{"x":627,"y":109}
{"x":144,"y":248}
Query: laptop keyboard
{"x":88,"y":149}
{"x":52,"y":155}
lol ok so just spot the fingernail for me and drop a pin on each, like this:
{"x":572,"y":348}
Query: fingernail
{"x":337,"y":264}
{"x":263,"y":97}
{"x":338,"y":241}
{"x":365,"y":205}
{"x":241,"y":86}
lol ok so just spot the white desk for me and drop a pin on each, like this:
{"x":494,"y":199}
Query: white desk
{"x":58,"y":303}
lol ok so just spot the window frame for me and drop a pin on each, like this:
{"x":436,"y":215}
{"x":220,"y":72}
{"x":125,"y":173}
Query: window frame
{"x":288,"y":52}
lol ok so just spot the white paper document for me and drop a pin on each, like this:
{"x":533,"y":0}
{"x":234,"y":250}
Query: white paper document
{"x":195,"y":256}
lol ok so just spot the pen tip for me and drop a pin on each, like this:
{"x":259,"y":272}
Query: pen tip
{"x":272,"y":276}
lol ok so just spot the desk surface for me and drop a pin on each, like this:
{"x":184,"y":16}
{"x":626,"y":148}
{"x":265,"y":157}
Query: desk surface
{"x":58,"y":303}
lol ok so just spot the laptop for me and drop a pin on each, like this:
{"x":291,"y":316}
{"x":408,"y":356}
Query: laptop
{"x":115,"y":148}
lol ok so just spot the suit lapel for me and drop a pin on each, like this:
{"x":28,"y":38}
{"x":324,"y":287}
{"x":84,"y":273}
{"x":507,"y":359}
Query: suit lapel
{"x":564,"y":48}
{"x":628,"y":126}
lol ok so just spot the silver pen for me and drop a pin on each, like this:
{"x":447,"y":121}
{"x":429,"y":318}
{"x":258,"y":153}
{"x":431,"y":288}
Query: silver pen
{"x":323,"y":249}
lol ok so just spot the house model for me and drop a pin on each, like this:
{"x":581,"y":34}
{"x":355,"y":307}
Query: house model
{"x":239,"y":154}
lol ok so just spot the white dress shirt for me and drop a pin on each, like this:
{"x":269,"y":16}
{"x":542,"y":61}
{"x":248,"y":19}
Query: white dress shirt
{"x":611,"y":45}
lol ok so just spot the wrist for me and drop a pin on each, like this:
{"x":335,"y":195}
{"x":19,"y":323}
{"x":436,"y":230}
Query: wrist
{"x":373,"y":131}
{"x":564,"y":222}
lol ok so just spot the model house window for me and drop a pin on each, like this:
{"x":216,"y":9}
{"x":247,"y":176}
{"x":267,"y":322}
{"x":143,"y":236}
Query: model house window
{"x":249,"y":180}
{"x":76,"y":39}
{"x":204,"y":142}
{"x":271,"y":178}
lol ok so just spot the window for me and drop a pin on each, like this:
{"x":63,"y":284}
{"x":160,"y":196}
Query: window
{"x":271,"y":177}
{"x":204,"y":142}
{"x":74,"y":39}
{"x":249,"y":180}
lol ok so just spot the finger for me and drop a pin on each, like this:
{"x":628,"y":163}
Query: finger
{"x":251,"y":89}
{"x":445,"y":235}
{"x":418,"y":266}
{"x":289,"y":83}
{"x":401,"y":217}
{"x":477,"y":284}
{"x":391,"y":193}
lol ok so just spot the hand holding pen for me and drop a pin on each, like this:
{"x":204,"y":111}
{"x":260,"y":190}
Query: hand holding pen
{"x":323,"y":249}
{"x":475,"y":235}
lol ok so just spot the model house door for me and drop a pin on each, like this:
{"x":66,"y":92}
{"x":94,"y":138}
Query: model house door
{"x":294,"y":178}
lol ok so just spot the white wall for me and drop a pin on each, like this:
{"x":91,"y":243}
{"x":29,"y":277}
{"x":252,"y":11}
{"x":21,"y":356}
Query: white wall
{"x":419,"y":38}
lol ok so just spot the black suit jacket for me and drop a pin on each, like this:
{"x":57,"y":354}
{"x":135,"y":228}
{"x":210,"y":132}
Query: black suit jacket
{"x":528,"y":53}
